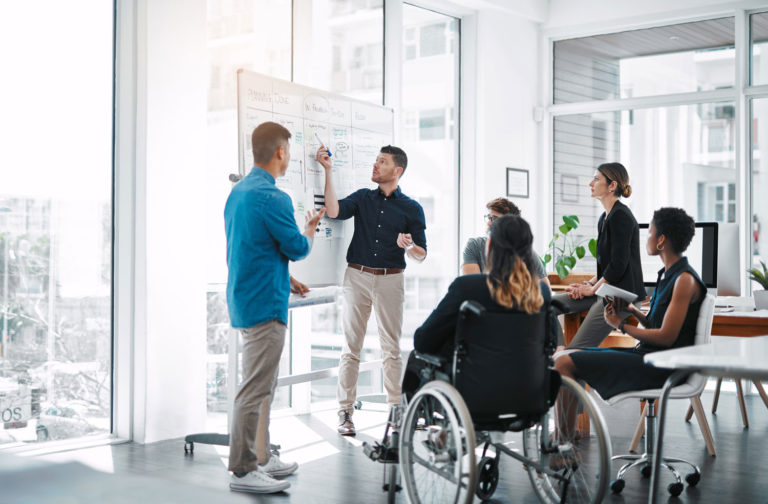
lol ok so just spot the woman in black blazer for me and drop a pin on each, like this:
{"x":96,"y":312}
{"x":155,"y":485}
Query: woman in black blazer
{"x":510,"y":284}
{"x":618,"y":256}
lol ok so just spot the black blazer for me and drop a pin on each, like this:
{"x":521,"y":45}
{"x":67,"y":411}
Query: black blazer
{"x":618,"y":250}
{"x":436,"y":334}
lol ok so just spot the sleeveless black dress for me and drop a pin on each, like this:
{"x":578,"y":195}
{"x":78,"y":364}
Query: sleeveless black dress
{"x":612,"y":371}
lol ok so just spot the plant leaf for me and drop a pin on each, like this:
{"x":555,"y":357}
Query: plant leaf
{"x":580,"y":252}
{"x":547,"y":258}
{"x":562,"y":271}
{"x":569,"y":261}
{"x":593,"y":247}
{"x":564,"y":228}
{"x":571,"y":220}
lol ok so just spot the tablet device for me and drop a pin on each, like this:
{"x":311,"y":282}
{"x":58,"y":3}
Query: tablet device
{"x":607,"y":291}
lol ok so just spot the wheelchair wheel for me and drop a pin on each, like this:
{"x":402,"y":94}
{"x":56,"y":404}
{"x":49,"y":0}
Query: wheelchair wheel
{"x":437,"y":447}
{"x":582,"y":462}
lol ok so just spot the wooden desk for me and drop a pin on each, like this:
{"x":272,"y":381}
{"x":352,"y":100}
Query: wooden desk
{"x":733,"y":324}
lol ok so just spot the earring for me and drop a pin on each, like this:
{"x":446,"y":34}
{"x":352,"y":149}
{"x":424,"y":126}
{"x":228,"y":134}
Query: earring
{"x":659,"y":248}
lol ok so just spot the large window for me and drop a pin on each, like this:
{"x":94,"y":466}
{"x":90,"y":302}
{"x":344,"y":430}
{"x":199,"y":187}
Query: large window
{"x":430,"y":89}
{"x":758,"y":239}
{"x":56,"y":221}
{"x":346,"y":42}
{"x":677,"y":154}
{"x":655,"y":61}
{"x":237,"y":38}
{"x":758,"y":213}
{"x":669,"y":153}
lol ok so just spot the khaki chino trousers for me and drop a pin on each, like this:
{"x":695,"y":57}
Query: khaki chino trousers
{"x":385,"y":295}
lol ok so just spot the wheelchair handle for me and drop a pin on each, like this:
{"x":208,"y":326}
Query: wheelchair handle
{"x":473,"y":307}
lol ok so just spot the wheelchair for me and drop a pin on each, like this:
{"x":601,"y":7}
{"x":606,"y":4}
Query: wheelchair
{"x":500,"y":380}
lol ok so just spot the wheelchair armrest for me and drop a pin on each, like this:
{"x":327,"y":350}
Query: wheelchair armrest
{"x":429,"y":359}
{"x":558,"y":305}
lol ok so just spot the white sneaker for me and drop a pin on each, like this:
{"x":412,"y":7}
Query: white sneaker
{"x":277,"y":468}
{"x":257,"y":482}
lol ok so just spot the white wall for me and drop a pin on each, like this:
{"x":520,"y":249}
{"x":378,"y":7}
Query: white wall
{"x":506,"y":70}
{"x":170,"y":306}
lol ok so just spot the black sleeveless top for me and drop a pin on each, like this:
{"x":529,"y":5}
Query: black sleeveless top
{"x":662,"y":295}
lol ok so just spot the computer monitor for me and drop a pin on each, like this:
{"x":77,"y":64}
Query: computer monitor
{"x":702,"y":255}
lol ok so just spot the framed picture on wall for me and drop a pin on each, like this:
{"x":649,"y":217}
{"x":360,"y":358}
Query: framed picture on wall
{"x":517,"y":183}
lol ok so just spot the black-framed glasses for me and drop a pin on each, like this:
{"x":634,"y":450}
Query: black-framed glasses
{"x":490,"y":217}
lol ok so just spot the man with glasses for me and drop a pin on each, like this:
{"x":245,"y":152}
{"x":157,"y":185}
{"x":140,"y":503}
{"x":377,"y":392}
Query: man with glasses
{"x":474,"y":251}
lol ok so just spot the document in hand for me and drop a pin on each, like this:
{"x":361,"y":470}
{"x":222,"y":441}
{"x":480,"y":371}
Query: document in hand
{"x":608,"y":291}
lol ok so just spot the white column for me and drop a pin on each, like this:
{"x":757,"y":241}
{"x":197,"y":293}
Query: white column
{"x":169,"y":313}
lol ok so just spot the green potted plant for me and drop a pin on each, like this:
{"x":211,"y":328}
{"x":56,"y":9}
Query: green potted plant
{"x":761,"y":277}
{"x":564,"y":250}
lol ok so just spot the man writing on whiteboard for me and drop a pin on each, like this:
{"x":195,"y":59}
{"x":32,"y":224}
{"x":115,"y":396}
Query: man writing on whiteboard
{"x":262,"y":236}
{"x":388,"y":225}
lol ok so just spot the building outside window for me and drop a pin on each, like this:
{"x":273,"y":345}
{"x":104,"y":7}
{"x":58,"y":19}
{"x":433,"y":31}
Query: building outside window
{"x":56,"y":225}
{"x":676,"y":154}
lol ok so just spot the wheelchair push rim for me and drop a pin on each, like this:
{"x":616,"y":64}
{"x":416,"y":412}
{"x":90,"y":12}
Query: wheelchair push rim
{"x":437,"y":447}
{"x":583,"y":462}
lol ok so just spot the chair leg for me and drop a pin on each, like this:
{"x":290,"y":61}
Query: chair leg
{"x":639,"y":430}
{"x":761,"y":391}
{"x":717,"y":395}
{"x":689,"y":413}
{"x":703,"y":424}
{"x":742,"y":404}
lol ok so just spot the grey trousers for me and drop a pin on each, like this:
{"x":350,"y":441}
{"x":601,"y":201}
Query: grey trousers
{"x":594,"y":329}
{"x":249,"y":433}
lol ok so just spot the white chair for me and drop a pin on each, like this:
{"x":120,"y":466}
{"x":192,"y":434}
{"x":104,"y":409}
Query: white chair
{"x":690,"y":389}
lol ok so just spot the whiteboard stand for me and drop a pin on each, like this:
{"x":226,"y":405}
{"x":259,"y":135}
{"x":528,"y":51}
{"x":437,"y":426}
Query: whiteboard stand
{"x":314,"y":297}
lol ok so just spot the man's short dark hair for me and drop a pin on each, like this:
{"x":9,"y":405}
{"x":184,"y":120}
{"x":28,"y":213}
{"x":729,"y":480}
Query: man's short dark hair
{"x":676,"y":225}
{"x":503,"y":206}
{"x":266,"y":139}
{"x":398,"y":156}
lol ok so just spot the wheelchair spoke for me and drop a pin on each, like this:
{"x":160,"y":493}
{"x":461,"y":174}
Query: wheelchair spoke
{"x":435,"y":445}
{"x":580,"y":460}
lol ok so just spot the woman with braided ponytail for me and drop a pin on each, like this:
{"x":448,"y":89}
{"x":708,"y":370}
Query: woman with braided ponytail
{"x":509,"y":284}
{"x":618,"y":256}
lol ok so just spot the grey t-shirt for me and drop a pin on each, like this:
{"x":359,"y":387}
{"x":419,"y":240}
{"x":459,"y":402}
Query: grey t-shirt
{"x":474,"y":253}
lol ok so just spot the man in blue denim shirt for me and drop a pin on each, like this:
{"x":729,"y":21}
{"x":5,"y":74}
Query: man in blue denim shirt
{"x":262,"y":236}
{"x":388,"y":225}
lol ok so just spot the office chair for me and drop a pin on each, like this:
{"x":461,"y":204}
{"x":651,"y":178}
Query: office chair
{"x":740,"y":394}
{"x":691,"y":388}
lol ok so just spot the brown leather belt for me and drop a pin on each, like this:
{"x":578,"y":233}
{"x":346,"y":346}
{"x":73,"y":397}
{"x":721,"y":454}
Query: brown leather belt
{"x":376,"y":271}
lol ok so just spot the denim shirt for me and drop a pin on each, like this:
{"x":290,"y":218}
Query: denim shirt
{"x":262,"y":236}
{"x":378,"y":220}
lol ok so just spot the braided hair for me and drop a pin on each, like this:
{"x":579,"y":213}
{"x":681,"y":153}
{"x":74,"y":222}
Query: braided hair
{"x":510,"y":263}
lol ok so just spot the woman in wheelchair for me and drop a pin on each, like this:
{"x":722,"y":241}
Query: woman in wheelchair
{"x":670,"y":322}
{"x":491,"y":338}
{"x":510,"y":283}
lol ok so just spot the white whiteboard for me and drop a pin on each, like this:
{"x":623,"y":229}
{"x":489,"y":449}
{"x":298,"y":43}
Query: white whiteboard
{"x":353,"y":130}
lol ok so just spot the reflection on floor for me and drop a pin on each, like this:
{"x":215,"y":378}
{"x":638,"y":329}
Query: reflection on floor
{"x":334,"y":470}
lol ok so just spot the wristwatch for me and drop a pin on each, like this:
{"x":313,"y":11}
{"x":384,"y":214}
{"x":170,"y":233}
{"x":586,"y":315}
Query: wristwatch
{"x":620,"y":327}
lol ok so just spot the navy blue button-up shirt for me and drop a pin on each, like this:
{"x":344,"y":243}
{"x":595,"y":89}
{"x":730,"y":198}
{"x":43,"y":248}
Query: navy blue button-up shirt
{"x":262,"y":236}
{"x":378,"y":220}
